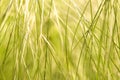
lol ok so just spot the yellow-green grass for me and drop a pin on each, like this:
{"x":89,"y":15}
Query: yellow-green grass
{"x":59,"y":39}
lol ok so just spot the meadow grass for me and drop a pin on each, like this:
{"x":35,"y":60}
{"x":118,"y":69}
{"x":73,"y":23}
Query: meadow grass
{"x":59,"y":40}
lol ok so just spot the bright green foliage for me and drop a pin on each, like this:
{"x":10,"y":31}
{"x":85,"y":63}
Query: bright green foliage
{"x":59,"y":39}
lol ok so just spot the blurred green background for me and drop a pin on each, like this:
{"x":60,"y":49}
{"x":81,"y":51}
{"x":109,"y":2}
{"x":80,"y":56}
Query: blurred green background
{"x":59,"y":40}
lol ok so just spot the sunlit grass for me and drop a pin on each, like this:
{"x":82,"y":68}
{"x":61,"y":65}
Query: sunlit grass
{"x":59,"y":40}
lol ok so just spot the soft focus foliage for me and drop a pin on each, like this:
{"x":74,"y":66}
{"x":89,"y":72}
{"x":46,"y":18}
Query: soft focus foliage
{"x":59,"y":39}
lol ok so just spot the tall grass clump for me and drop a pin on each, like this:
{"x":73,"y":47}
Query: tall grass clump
{"x":59,"y":40}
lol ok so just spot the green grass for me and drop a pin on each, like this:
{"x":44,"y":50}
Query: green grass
{"x":59,"y":40}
